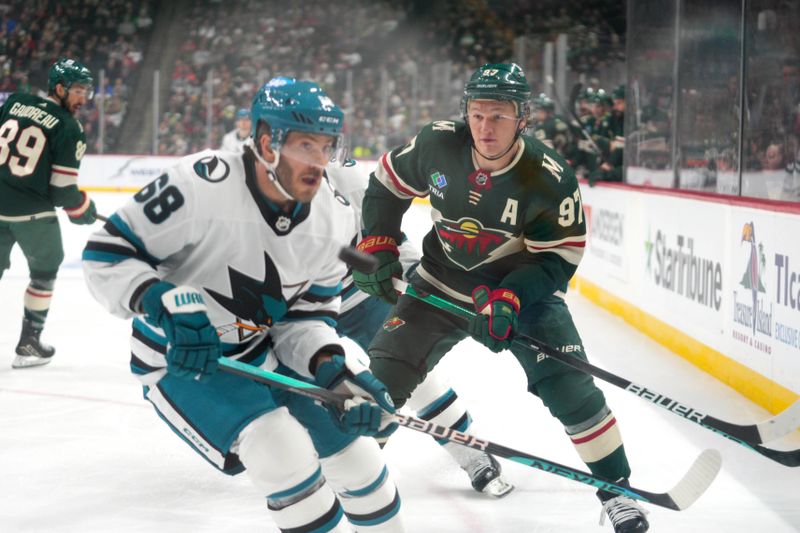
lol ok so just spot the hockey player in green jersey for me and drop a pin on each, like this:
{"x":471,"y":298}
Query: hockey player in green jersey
{"x":508,"y":234}
{"x":41,"y":146}
{"x":549,"y":127}
{"x":610,"y":136}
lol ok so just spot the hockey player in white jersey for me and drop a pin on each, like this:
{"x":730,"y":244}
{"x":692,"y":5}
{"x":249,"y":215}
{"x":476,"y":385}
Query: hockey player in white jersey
{"x":236,"y":256}
{"x":235,"y":140}
{"x":360,"y":318}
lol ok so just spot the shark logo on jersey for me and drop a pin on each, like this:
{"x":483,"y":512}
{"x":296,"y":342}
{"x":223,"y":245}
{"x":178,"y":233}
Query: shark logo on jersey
{"x":260,"y":302}
{"x":467,"y":243}
{"x":212,"y":168}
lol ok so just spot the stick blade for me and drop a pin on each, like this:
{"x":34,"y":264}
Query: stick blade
{"x":697,"y":479}
{"x":790,"y":458}
{"x":783,"y":423}
{"x":358,"y":260}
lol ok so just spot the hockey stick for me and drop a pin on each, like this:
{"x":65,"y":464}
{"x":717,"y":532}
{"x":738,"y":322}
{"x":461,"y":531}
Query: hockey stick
{"x":751,"y":436}
{"x":693,"y":484}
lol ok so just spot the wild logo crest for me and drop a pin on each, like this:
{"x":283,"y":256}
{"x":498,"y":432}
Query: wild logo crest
{"x":393,"y":323}
{"x":467,"y":243}
{"x":259,"y":302}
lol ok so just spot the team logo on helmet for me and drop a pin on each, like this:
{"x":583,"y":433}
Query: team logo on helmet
{"x":212,"y":168}
{"x":467,"y":243}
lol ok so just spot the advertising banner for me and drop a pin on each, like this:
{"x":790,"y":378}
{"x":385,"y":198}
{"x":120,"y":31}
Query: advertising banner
{"x":725,"y":275}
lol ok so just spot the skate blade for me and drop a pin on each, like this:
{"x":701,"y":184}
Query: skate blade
{"x":27,"y":361}
{"x":498,"y":488}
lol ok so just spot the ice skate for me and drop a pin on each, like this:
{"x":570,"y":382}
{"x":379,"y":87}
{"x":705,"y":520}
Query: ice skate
{"x":30,"y":349}
{"x":626,"y":515}
{"x":486,"y":476}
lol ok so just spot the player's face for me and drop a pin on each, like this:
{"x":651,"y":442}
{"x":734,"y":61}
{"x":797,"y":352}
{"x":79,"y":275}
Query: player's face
{"x":243,"y":125}
{"x":493,"y":124}
{"x":77,"y":96}
{"x":303,"y":159}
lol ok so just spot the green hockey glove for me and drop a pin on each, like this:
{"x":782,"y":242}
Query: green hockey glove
{"x":498,"y":317}
{"x":83,"y":213}
{"x":379,"y":282}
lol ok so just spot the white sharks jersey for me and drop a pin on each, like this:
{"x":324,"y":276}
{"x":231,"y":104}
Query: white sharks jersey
{"x":351,"y":181}
{"x":266,"y":276}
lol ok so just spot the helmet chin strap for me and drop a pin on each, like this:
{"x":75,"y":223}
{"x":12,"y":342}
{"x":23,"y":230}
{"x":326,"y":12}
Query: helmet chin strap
{"x":272,"y":169}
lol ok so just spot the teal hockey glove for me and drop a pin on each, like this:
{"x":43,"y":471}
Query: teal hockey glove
{"x":370,"y":410}
{"x":83,"y":213}
{"x":194,"y":350}
{"x":498,"y":317}
{"x":379,"y":283}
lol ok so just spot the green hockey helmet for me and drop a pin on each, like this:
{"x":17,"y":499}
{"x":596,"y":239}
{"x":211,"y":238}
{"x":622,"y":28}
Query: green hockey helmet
{"x":587,"y":95}
{"x":68,"y":72}
{"x":602,"y":97}
{"x":544,"y":102}
{"x":498,"y":81}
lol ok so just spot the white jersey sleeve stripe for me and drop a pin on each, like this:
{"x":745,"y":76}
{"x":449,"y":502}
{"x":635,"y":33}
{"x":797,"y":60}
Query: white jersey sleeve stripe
{"x":575,"y":240}
{"x":60,"y":180}
{"x":570,"y":254}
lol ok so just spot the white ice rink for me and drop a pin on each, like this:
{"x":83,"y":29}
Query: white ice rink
{"x":81,"y":451}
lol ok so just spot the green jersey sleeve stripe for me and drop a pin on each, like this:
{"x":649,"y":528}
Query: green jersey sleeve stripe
{"x":386,"y":174}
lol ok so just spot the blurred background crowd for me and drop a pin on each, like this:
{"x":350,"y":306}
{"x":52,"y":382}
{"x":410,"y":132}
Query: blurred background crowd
{"x":725,"y":101}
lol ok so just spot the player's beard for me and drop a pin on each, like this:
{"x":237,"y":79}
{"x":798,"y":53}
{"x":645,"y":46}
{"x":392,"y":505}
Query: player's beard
{"x":292,"y":181}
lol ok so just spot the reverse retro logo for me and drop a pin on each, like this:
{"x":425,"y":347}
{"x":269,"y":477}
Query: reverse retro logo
{"x":212,"y":168}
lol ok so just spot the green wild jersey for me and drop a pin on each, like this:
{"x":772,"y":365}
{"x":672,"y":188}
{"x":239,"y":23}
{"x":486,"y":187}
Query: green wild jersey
{"x":521,"y":227}
{"x":41,"y":145}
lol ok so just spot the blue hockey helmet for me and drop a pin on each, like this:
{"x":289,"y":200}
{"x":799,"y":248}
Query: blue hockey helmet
{"x":287,"y":104}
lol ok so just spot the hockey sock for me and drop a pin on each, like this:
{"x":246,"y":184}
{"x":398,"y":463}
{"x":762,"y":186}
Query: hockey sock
{"x":37,"y":301}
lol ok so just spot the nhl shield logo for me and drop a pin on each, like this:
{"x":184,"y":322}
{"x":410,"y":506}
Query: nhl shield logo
{"x":481,"y":180}
{"x":393,"y":323}
{"x":283,"y":223}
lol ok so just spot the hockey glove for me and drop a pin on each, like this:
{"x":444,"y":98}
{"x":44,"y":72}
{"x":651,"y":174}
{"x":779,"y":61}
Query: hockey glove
{"x":370,"y":410}
{"x":83,"y":213}
{"x":497,"y":318}
{"x":193,"y":351}
{"x":379,"y":283}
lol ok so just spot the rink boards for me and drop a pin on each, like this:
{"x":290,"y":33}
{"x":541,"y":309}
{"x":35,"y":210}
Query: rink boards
{"x":714,"y":278}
